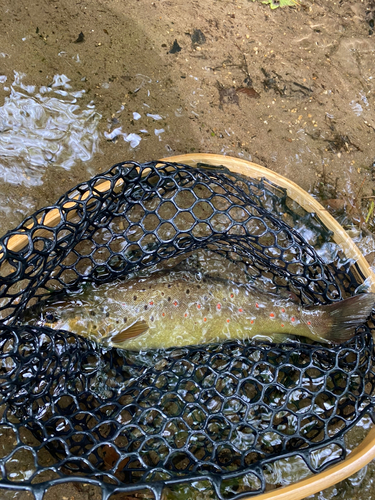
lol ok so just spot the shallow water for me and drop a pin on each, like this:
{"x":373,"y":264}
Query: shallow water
{"x":125,"y":70}
{"x":44,"y":128}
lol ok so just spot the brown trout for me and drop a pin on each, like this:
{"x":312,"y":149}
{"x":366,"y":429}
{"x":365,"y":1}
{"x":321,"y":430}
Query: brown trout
{"x":173,"y":309}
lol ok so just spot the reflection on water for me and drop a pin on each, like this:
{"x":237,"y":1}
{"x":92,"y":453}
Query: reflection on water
{"x":43,"y":127}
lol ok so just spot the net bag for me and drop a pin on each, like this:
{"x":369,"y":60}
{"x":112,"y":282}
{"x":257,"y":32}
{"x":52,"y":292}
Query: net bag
{"x":75,"y":411}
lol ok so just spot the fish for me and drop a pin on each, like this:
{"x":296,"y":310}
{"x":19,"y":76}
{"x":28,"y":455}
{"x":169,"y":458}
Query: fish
{"x":180,"y":308}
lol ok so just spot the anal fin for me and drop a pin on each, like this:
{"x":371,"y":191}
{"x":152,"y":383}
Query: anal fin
{"x":130,"y":332}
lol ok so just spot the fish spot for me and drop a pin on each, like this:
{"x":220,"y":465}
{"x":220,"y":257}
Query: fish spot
{"x":151,"y":318}
{"x":218,"y":307}
{"x":187,"y":291}
{"x":228,"y":320}
{"x":240,"y":310}
{"x":145,"y":307}
{"x":252,"y":321}
{"x":282,"y":325}
{"x":135,"y":297}
{"x":107,"y":315}
{"x":199,"y":287}
{"x":272,"y":315}
{"x":292,"y":318}
{"x":151,"y":303}
{"x":150,"y":286}
{"x":309,"y":322}
{"x":169,"y":299}
{"x":185,"y":315}
{"x":199,"y":306}
{"x":163,"y":293}
{"x":175,"y":303}
{"x":169,"y":285}
{"x":117,"y":321}
{"x":94,"y":327}
{"x":92,"y":313}
{"x":204,"y":319}
{"x":231,"y":295}
{"x":283,"y":310}
{"x":163,"y":314}
{"x":257,"y":305}
{"x":125,"y":320}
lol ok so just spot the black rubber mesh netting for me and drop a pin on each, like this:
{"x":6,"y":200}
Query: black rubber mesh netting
{"x":71,"y":410}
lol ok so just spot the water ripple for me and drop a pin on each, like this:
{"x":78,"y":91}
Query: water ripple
{"x":45,"y":127}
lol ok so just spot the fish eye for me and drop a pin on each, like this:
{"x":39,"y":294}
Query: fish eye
{"x":49,"y":317}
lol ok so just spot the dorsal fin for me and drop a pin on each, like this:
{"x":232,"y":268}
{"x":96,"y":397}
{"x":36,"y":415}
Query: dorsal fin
{"x":130,"y":332}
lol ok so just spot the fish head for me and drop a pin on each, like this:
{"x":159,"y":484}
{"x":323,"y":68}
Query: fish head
{"x":57,"y":315}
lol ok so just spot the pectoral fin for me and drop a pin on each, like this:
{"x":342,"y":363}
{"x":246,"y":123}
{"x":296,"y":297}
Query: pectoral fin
{"x":130,"y":332}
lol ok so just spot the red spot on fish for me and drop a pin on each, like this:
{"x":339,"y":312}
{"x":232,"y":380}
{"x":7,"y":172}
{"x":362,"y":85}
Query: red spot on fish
{"x":204,"y":319}
{"x":175,"y":303}
{"x":240,"y":310}
{"x":151,"y":303}
{"x":293,"y":318}
{"x":257,"y":305}
{"x":252,"y":321}
{"x":185,"y":315}
{"x":309,"y":322}
{"x":228,"y":320}
{"x":199,"y":306}
{"x":163,"y":314}
{"x":283,"y":310}
{"x":272,"y":315}
{"x":219,"y":306}
{"x":231,"y":295}
{"x":282,"y":325}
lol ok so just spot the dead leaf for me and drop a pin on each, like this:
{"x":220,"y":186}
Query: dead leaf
{"x":250,"y":92}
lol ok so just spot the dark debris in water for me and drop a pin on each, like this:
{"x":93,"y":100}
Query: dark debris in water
{"x":198,"y":38}
{"x":249,"y":92}
{"x":286,"y":88}
{"x":80,"y":38}
{"x":370,"y":16}
{"x":341,"y":142}
{"x":175,"y":48}
{"x":229,"y":95}
{"x":273,"y":83}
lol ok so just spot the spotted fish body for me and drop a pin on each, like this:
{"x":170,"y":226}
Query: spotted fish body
{"x":178,"y":309}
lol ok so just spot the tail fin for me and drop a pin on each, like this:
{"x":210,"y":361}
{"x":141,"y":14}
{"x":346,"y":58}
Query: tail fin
{"x":337,"y":322}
